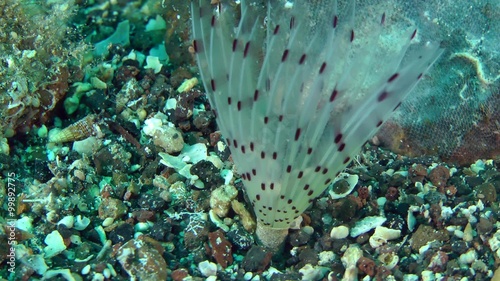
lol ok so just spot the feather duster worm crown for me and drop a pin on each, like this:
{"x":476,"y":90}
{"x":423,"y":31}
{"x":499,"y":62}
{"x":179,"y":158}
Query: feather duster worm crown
{"x":298,"y":91}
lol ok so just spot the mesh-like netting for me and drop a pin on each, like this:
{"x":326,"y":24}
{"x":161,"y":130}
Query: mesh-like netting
{"x":455,"y":112}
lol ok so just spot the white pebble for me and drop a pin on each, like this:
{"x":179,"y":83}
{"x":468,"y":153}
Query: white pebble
{"x":248,"y":276}
{"x":451,"y":228}
{"x":468,"y":257}
{"x":339,"y":232}
{"x":98,"y":277}
{"x":459,"y":233}
{"x":107,"y":273}
{"x":428,"y":275}
{"x":256,"y":278}
{"x":141,"y":226}
{"x":326,"y":257}
{"x":86,"y":270}
{"x":207,"y":268}
{"x":108,"y":222}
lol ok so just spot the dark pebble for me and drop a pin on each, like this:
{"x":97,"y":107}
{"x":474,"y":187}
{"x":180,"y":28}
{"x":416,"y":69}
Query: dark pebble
{"x":298,"y":238}
{"x":240,"y":238}
{"x":459,"y":247}
{"x":161,"y":230}
{"x":121,"y":233}
{"x":207,"y":173}
{"x":434,"y":197}
{"x":308,"y":256}
{"x":257,"y":259}
{"x":151,"y":202}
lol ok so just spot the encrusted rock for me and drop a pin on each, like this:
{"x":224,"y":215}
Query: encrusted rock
{"x":425,"y":234}
{"x":221,"y":248}
{"x":196,"y":232}
{"x":142,"y":261}
{"x":220,"y":199}
{"x":484,"y":226}
{"x":179,"y":274}
{"x":247,"y":220}
{"x":240,"y":238}
{"x":439,"y":176}
{"x":207,"y":173}
{"x":112,"y":208}
{"x":438,"y":262}
{"x":486,"y":192}
{"x":366,"y":266}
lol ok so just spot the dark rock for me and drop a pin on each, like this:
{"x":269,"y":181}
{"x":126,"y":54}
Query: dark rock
{"x":207,"y":173}
{"x":257,"y":259}
{"x":64,"y":231}
{"x":459,"y":247}
{"x":85,"y":249}
{"x":185,"y":105}
{"x":161,"y":230}
{"x":366,"y":266}
{"x":203,"y":121}
{"x":142,"y":260}
{"x":240,"y":238}
{"x":286,"y":276}
{"x":486,"y":192}
{"x":425,"y":234}
{"x":40,"y":170}
{"x":308,"y":256}
{"x":392,"y":193}
{"x":121,"y":233}
{"x":196,"y":233}
{"x":417,"y":173}
{"x":143,"y":215}
{"x":106,"y":162}
{"x":474,"y":181}
{"x":434,"y":197}
{"x":98,"y":100}
{"x":345,"y":210}
{"x":397,"y":180}
{"x":151,"y":202}
{"x":160,"y":86}
{"x":298,"y":238}
{"x":484,"y":226}
{"x":179,"y":274}
{"x":395,"y":222}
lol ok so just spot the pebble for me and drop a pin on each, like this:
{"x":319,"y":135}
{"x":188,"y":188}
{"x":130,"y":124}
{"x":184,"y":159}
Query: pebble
{"x":107,"y":222}
{"x":339,"y":232}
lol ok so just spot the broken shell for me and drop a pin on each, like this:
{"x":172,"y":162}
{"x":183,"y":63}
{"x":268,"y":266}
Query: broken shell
{"x":389,"y":260}
{"x":82,"y":129}
{"x":382,"y":235}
